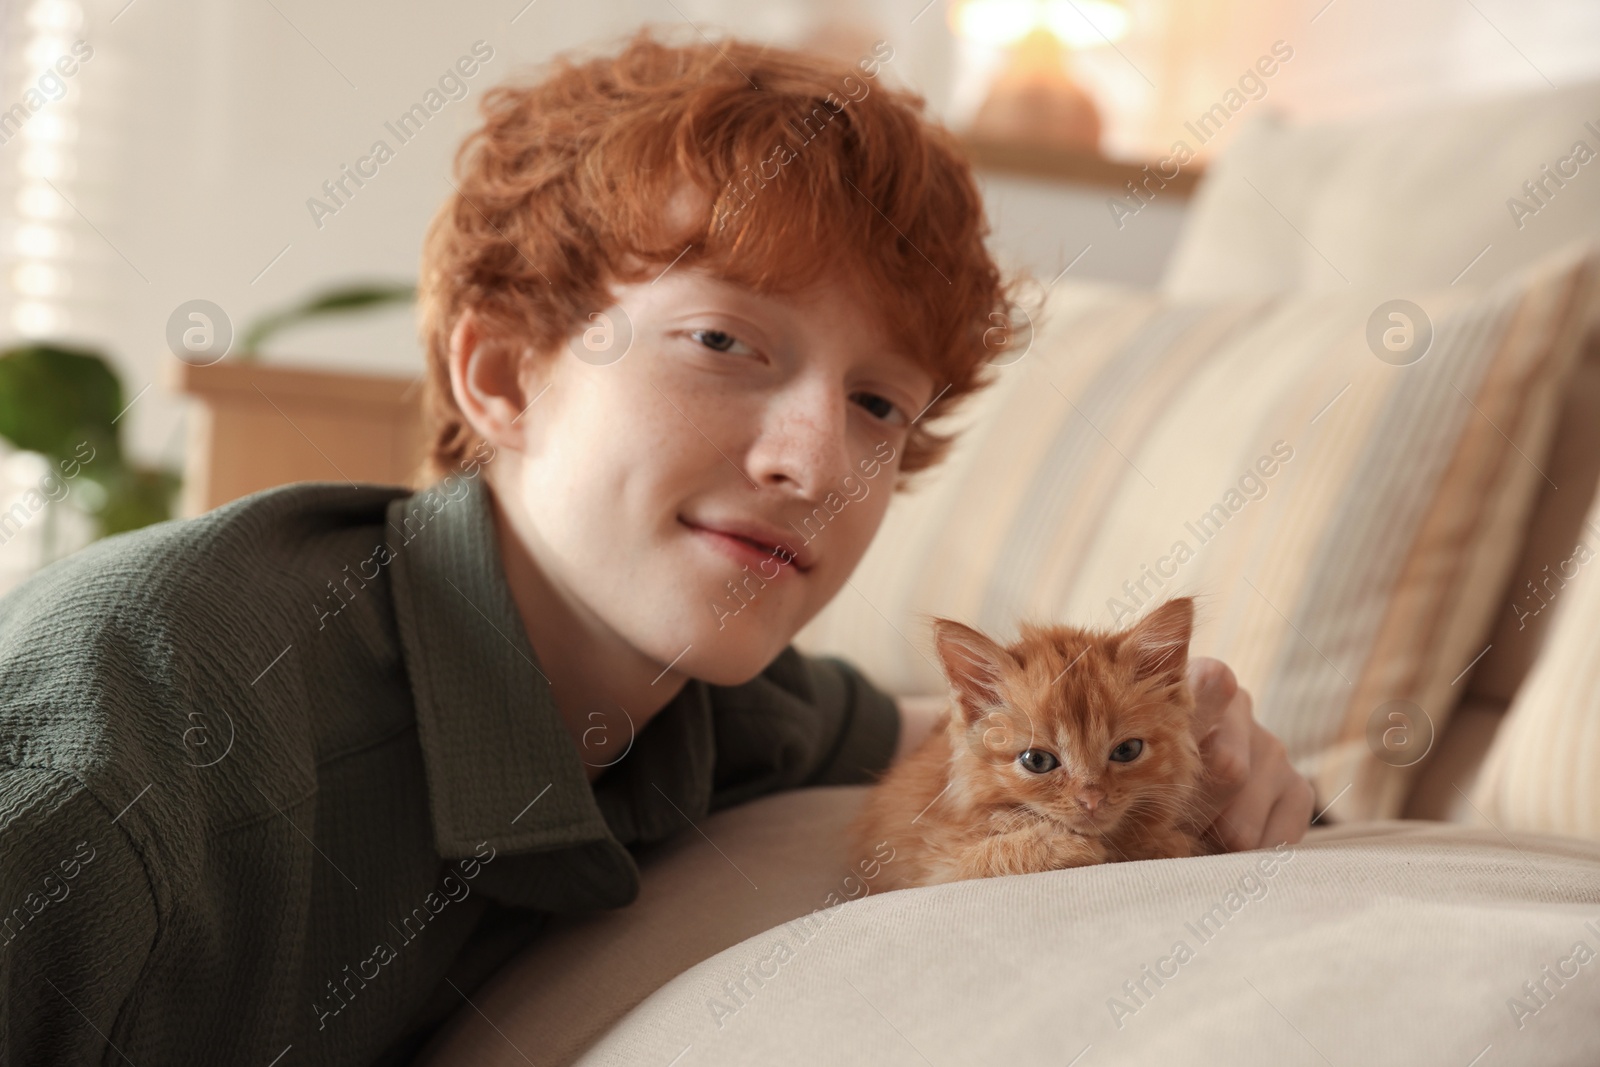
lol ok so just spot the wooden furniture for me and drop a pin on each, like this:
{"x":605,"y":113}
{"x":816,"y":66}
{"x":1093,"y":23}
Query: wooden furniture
{"x":258,"y":425}
{"x":1071,"y":166}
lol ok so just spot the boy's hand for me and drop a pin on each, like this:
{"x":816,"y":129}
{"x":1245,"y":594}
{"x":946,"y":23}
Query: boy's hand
{"x":1254,"y":797}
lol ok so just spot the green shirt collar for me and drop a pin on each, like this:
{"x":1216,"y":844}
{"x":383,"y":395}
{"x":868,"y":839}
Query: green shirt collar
{"x":499,"y":762}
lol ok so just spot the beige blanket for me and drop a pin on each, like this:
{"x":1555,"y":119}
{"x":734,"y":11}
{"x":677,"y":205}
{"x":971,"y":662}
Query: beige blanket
{"x":1397,"y":942}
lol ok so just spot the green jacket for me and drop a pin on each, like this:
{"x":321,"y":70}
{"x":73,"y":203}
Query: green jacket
{"x":282,"y":783}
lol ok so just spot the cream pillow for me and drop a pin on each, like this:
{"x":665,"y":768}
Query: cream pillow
{"x":1347,"y":522}
{"x":1543,"y":769}
{"x":1418,"y":198}
{"x":1406,"y":200}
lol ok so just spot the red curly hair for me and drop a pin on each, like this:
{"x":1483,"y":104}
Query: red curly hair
{"x":561,"y":193}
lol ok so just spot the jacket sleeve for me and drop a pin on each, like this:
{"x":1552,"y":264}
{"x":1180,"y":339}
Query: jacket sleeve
{"x":78,"y":924}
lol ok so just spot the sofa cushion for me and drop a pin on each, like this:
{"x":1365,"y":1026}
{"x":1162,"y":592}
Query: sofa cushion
{"x":1405,"y":201}
{"x":706,"y":969}
{"x":1543,"y":769}
{"x":1420,"y":198}
{"x":1444,"y":782}
{"x":1347,"y":523}
{"x":1571,"y":469}
{"x":1386,"y":943}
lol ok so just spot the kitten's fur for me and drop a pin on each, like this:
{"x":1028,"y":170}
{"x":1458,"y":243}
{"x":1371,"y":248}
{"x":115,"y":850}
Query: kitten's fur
{"x":964,"y":805}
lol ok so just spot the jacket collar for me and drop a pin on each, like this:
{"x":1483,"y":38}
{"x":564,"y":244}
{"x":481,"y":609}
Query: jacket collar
{"x":500,"y":764}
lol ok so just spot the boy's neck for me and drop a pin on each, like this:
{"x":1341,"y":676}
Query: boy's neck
{"x":603,"y":687}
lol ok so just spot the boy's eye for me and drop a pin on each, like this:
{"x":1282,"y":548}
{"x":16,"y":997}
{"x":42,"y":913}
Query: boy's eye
{"x":716,"y":340}
{"x":880,"y":407}
{"x":877,"y":405}
{"x":1038,"y":761}
{"x":1128,"y":751}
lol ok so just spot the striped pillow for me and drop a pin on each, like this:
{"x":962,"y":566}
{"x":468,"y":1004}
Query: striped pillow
{"x":1542,"y":772}
{"x":1346,"y":521}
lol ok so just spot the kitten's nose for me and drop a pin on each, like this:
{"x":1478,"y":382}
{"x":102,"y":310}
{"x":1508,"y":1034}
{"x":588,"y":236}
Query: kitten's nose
{"x":1089,"y":799}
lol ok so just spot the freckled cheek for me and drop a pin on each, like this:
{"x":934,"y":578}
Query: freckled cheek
{"x":720,"y":408}
{"x":656,"y":414}
{"x":672,"y":449}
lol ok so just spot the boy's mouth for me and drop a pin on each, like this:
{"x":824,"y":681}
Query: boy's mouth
{"x":751,"y":541}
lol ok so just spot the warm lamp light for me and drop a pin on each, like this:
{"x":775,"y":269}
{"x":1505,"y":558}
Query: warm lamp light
{"x":1075,"y":23}
{"x":1035,"y":100}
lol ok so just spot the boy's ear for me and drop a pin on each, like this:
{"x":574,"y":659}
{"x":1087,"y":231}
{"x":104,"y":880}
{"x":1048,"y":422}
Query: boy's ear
{"x":489,"y":377}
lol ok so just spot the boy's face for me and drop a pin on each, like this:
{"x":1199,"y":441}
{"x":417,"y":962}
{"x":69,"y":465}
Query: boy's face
{"x":778,"y":418}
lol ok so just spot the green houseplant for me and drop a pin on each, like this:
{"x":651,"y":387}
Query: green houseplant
{"x":339,"y":300}
{"x":64,"y":403}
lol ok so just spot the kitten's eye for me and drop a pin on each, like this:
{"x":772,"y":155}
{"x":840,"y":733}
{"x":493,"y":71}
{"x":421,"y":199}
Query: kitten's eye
{"x":1128,"y":751}
{"x":1038,"y":761}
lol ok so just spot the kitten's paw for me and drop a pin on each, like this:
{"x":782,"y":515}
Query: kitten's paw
{"x":1034,"y":848}
{"x":1071,"y":850}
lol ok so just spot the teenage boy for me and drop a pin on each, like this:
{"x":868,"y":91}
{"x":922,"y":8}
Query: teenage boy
{"x":275,"y":781}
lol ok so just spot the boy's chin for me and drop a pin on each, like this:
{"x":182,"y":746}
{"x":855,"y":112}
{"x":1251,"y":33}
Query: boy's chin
{"x":729,"y":659}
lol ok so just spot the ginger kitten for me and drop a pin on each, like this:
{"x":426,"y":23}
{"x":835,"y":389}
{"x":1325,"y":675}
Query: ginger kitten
{"x":1067,"y":748}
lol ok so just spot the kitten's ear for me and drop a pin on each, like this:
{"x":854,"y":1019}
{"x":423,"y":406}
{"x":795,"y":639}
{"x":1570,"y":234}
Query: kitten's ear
{"x":972,"y":664}
{"x":1158,"y":644}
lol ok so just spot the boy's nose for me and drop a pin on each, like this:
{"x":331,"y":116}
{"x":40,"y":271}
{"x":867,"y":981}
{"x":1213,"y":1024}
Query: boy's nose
{"x":803,"y":441}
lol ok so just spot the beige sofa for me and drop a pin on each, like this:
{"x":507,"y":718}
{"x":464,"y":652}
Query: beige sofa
{"x":1370,"y":942}
{"x":1421,"y":199}
{"x":1394,"y":942}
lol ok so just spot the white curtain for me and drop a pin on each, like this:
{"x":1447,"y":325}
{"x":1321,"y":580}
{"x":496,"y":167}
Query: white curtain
{"x":51,"y":259}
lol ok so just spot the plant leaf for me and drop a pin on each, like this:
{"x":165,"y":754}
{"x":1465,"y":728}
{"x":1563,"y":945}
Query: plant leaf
{"x":135,"y":497}
{"x":54,"y":397}
{"x":328,"y":302}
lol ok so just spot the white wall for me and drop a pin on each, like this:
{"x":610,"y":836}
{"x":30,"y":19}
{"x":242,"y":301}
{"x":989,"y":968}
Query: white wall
{"x":1045,"y":228}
